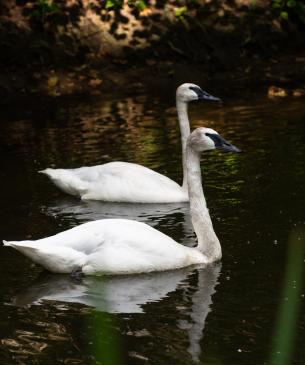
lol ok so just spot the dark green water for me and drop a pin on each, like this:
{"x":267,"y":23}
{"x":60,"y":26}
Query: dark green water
{"x":226,"y":314}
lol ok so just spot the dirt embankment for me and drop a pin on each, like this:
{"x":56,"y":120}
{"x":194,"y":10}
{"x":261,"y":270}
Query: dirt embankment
{"x":78,"y":47}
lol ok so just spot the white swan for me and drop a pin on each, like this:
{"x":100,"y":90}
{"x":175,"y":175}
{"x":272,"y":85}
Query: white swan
{"x":129,"y":182}
{"x":121,"y":246}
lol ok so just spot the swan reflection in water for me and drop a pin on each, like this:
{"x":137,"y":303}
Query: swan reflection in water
{"x":76,"y":211}
{"x":128,"y":294}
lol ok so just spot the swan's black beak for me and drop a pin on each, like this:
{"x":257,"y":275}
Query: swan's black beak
{"x":203,"y":95}
{"x":208,"y":97}
{"x":222,"y":144}
{"x":228,"y":147}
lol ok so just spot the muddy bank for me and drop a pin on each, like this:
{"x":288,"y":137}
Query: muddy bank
{"x":230,"y":46}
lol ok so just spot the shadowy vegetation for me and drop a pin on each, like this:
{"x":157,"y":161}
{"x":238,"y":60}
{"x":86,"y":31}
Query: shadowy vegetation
{"x":189,"y":29}
{"x":290,"y":9}
{"x":38,"y":35}
{"x":289,"y":309}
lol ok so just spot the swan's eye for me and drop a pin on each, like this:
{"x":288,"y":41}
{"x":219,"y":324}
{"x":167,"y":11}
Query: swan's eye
{"x":218,"y":141}
{"x":200,"y":93}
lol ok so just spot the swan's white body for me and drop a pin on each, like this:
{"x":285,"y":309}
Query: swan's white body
{"x":109,"y":247}
{"x":118,"y":182}
{"x":119,"y":246}
{"x":127,"y":182}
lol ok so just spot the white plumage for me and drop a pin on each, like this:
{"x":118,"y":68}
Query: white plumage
{"x":128,"y":182}
{"x":118,"y":182}
{"x":109,"y":247}
{"x":121,"y":246}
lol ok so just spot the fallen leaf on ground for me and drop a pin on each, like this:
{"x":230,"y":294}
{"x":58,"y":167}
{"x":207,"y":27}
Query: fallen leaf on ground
{"x":276,"y":92}
{"x":298,"y":92}
{"x":95,"y":82}
{"x":52,"y":81}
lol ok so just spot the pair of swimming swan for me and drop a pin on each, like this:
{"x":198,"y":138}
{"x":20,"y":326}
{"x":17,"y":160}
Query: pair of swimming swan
{"x":121,"y":246}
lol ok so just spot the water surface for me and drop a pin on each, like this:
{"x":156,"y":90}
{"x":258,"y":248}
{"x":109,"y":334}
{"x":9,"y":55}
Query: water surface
{"x":224,"y":314}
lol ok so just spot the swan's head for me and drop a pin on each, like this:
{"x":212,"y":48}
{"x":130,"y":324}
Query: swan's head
{"x":205,"y":139}
{"x":190,"y":92}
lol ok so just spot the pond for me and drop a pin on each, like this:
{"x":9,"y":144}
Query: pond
{"x":248,"y":309}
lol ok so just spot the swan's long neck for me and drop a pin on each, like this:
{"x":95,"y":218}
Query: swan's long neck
{"x":185,"y":132}
{"x":208,"y":242}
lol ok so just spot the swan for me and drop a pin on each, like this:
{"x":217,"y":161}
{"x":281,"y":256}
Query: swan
{"x":129,"y":182}
{"x":121,"y":246}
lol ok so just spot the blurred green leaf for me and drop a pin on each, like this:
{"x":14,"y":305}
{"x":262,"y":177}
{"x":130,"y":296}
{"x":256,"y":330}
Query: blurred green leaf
{"x":284,"y":15}
{"x":290,"y":7}
{"x":109,"y":4}
{"x":291,"y":3}
{"x":141,"y":5}
{"x":179,"y":12}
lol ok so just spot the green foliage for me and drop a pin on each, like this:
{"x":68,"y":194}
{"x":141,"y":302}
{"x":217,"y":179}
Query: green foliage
{"x":118,"y":4}
{"x":113,"y":4}
{"x":290,"y":305}
{"x":43,"y":8}
{"x":140,"y":5}
{"x":180,"y":12}
{"x":289,"y":8}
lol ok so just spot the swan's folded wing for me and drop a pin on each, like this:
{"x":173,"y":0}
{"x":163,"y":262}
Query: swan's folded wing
{"x":117,"y":182}
{"x":128,"y":182}
{"x":55,"y":259}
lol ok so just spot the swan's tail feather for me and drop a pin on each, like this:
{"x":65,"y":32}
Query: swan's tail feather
{"x":66,"y":181}
{"x":24,"y":248}
{"x":55,"y":259}
{"x":45,"y":171}
{"x":12,"y":243}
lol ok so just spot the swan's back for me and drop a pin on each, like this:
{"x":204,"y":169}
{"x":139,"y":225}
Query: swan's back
{"x":109,"y":246}
{"x":118,"y":182}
